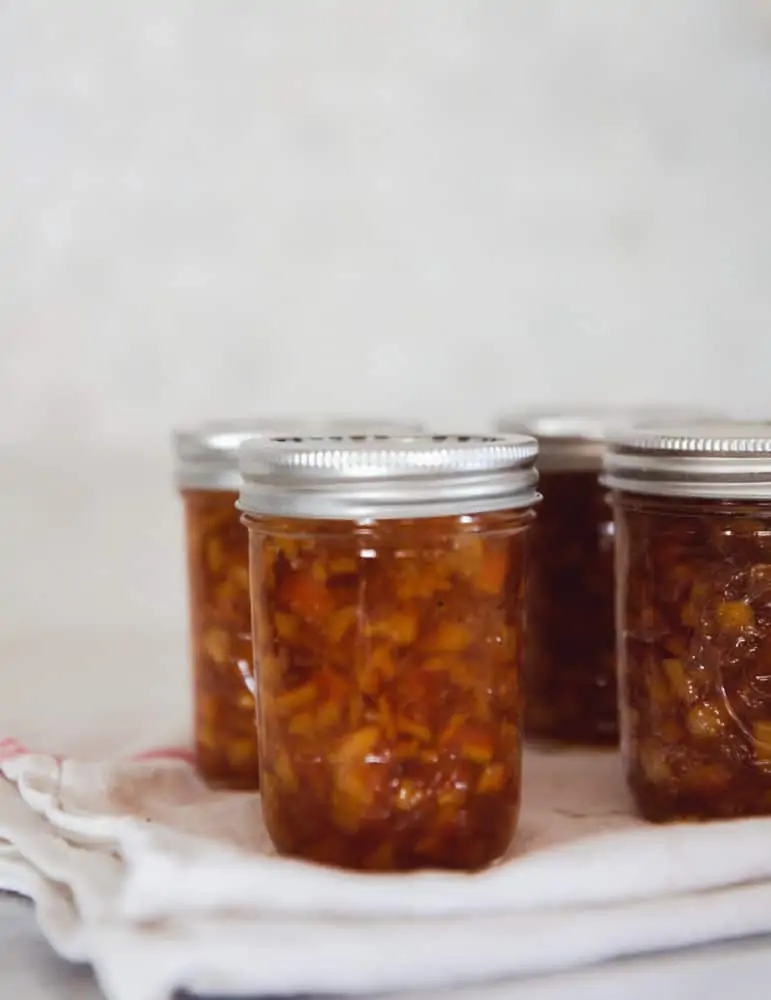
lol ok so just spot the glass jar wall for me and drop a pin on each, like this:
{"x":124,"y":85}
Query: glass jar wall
{"x":693,"y":536}
{"x":388,"y":601}
{"x":218,"y":584}
{"x":570,"y":667}
{"x":221,"y":639}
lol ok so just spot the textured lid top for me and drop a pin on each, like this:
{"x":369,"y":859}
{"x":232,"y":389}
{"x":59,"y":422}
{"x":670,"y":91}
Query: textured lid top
{"x":388,"y":476}
{"x":715,"y":459}
{"x":207,"y":453}
{"x":574,"y":438}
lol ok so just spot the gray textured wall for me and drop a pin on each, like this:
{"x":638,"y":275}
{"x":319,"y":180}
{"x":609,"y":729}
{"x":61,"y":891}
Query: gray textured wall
{"x":439,"y":207}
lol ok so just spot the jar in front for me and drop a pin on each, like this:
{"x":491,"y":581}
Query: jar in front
{"x":570,"y":664}
{"x":218,"y":585}
{"x":693,"y":538}
{"x":388,"y":602}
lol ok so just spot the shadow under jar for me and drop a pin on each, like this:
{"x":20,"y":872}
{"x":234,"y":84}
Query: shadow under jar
{"x":570,"y":664}
{"x":388,"y":581}
{"x":218,"y":584}
{"x":693,"y":565}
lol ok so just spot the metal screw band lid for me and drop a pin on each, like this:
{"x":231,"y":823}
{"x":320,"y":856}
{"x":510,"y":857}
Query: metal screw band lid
{"x":716,"y":460}
{"x":573,"y":439}
{"x":207,"y":454}
{"x":388,"y":476}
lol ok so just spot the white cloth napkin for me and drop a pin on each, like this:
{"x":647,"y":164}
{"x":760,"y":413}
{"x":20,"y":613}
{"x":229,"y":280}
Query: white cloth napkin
{"x":137,"y":868}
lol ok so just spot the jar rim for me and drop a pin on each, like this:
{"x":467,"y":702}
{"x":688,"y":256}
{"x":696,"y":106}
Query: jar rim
{"x":206,"y":454}
{"x":387,"y":476}
{"x":711,"y":460}
{"x":574,"y":438}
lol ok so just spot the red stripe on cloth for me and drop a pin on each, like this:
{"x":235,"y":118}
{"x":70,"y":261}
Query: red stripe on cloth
{"x":166,"y":753}
{"x":10,"y":747}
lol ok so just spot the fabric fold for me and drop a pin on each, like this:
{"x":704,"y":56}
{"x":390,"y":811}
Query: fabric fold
{"x":160,"y":883}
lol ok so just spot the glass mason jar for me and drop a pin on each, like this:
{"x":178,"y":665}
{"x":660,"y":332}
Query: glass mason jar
{"x":570,"y":665}
{"x":693,"y":567}
{"x":388,"y":595}
{"x":218,"y":580}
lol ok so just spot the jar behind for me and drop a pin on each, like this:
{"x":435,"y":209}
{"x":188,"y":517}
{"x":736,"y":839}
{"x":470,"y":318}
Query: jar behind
{"x":220,"y":639}
{"x":570,"y":667}
{"x":218,"y":581}
{"x":388,"y":638}
{"x":693,"y":536}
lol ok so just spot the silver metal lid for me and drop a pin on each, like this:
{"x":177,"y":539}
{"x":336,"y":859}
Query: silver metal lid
{"x":388,"y":476}
{"x":573,"y":439}
{"x":207,"y":454}
{"x":715,"y":460}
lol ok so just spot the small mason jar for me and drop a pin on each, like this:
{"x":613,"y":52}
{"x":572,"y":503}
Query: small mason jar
{"x":388,"y":585}
{"x":218,"y":581}
{"x":570,"y":666}
{"x":693,"y":569}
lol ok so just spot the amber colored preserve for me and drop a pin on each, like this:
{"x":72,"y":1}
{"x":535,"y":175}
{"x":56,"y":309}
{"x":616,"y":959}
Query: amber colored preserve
{"x":695,"y":655}
{"x":570,"y":668}
{"x":388,"y":654}
{"x":221,"y":639}
{"x":218,"y":584}
{"x":694,"y":622}
{"x":570,"y":665}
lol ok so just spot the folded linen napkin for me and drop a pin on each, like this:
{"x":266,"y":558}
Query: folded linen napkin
{"x":136,"y":867}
